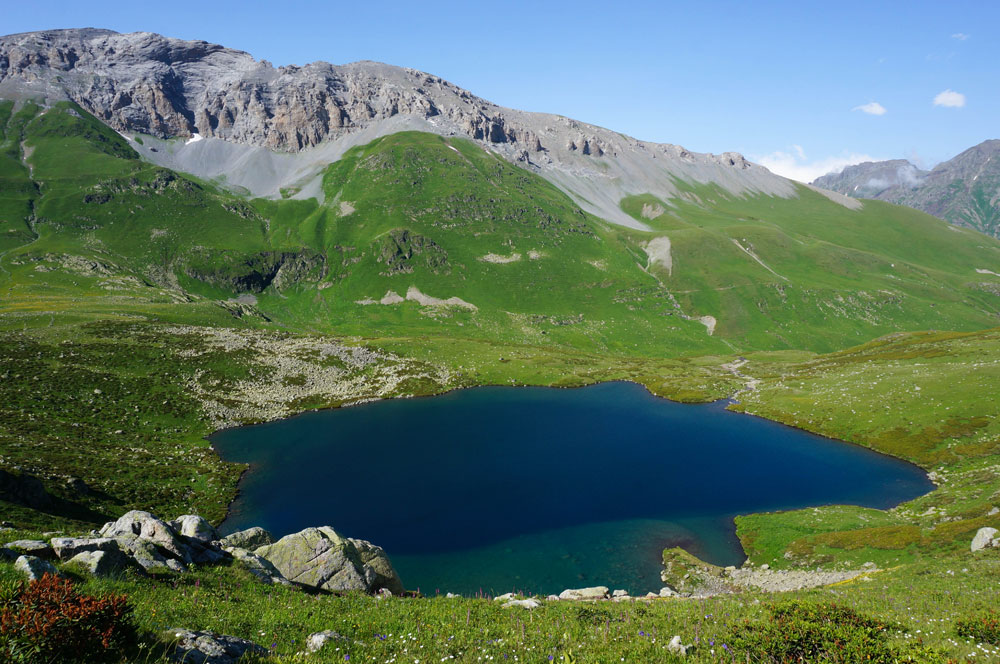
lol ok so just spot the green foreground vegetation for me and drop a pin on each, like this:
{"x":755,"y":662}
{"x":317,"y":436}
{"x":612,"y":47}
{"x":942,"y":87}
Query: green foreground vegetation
{"x":141,"y":309}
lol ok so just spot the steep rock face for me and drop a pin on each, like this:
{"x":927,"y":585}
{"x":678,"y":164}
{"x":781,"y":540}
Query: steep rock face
{"x":964,"y":190}
{"x":257,"y":120}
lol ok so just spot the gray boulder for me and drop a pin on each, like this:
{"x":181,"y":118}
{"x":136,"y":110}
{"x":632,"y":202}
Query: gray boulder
{"x":249,"y":539}
{"x":37,"y":548}
{"x":34,"y":568}
{"x":146,"y":526}
{"x":580,"y":594}
{"x":103,"y":563}
{"x":68,"y":547}
{"x":322,"y":558}
{"x":210,"y":648}
{"x":258,"y":566}
{"x":194,"y":527}
{"x":985,"y":538}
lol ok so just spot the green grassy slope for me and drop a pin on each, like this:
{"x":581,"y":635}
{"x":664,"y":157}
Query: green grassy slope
{"x":92,"y":231}
{"x":808,"y":273}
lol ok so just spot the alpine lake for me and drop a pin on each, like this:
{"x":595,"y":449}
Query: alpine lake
{"x":533,"y":489}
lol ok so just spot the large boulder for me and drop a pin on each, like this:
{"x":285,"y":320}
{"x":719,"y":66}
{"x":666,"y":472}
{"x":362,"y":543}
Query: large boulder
{"x":249,"y":539}
{"x":322,"y":558}
{"x":146,"y":526}
{"x":194,"y":527}
{"x":210,"y":648}
{"x":34,"y":568}
{"x":985,"y":538}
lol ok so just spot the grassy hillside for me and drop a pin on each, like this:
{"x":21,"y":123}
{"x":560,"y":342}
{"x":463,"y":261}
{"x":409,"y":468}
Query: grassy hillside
{"x":432,"y":237}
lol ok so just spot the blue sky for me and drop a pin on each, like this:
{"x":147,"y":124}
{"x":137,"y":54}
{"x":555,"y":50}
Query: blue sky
{"x":782,"y":82}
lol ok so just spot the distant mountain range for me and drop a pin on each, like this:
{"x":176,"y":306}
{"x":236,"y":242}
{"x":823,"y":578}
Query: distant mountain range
{"x":964,"y":191}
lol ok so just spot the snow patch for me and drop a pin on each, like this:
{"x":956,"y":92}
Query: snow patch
{"x":982,"y":271}
{"x":194,"y":139}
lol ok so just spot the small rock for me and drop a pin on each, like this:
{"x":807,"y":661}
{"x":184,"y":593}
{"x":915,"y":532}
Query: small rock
{"x":324,"y":559}
{"x":582,"y":594}
{"x":34,"y":568}
{"x":523,"y":603}
{"x":552,"y":598}
{"x":383,"y":593}
{"x":675,"y":646}
{"x":451,"y":596}
{"x":249,"y":539}
{"x":993,"y":512}
{"x":667,"y":592}
{"x":210,"y":648}
{"x":37,"y":548}
{"x":505,"y":597}
{"x":765,"y":566}
{"x":620,"y":593}
{"x":315,"y":642}
{"x":984,"y":539}
{"x":195,"y":527}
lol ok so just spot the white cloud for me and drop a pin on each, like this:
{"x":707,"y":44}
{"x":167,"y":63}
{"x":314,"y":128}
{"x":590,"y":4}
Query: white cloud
{"x":960,"y":36}
{"x":871,"y":108}
{"x":950,"y":99}
{"x":796,"y":166}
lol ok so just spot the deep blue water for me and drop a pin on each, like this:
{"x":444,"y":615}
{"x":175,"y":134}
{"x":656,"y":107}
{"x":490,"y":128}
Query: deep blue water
{"x":541,"y":489}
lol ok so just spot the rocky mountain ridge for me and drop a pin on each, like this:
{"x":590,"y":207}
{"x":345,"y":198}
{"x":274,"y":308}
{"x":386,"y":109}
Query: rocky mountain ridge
{"x":268,"y":129}
{"x":964,"y":190}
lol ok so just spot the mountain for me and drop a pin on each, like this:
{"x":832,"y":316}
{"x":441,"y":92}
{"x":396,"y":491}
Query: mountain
{"x":415,"y":212}
{"x":964,"y":190}
{"x":269,"y":129}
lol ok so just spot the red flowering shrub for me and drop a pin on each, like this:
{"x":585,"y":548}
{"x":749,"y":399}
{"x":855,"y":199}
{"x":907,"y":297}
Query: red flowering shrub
{"x":49,"y":621}
{"x":983,"y":627}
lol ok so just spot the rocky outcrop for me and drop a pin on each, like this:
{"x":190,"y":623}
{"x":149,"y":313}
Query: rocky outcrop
{"x":210,"y":648}
{"x":323,"y":559}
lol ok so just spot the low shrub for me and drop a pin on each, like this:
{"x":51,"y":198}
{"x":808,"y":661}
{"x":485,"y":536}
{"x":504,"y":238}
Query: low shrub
{"x":983,"y":627}
{"x":803,"y":632}
{"x":50,"y":621}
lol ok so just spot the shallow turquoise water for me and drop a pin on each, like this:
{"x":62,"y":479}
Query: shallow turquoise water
{"x":540,"y":489}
